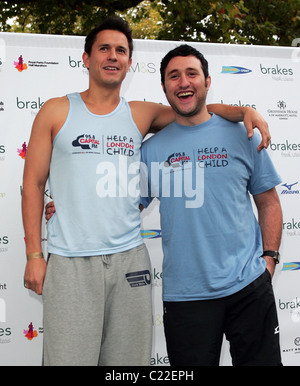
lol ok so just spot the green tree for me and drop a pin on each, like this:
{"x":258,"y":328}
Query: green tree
{"x":267,"y":22}
{"x":65,"y":17}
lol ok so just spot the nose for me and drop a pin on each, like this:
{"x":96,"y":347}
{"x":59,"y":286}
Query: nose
{"x":112,"y":54}
{"x":184,"y":81}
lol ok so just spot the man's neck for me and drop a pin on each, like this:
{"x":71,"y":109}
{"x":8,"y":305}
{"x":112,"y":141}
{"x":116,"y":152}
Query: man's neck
{"x":194,"y":120}
{"x":101,"y":102}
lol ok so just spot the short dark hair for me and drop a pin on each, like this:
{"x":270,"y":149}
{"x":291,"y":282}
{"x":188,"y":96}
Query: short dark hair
{"x":182,"y":50}
{"x":113,"y":23}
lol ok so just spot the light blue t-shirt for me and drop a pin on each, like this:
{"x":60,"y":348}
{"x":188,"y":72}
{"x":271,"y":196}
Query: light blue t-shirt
{"x":202,"y":176}
{"x":93,"y":173}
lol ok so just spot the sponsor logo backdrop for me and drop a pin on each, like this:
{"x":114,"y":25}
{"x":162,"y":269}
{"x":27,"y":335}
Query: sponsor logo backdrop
{"x":34,"y":68}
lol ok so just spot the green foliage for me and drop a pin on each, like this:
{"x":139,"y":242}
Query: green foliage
{"x":63,"y":17}
{"x":267,"y":22}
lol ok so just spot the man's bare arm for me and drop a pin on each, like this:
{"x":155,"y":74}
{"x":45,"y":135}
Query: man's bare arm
{"x":270,"y":221}
{"x":152,"y":117}
{"x":36,"y":171}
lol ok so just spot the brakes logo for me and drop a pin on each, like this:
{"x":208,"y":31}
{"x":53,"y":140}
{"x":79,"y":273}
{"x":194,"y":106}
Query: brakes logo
{"x":139,"y":278}
{"x":235,"y":70}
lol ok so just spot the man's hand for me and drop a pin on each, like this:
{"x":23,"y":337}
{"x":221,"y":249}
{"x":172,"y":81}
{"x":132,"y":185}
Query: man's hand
{"x":250,"y":116}
{"x":35,"y":272}
{"x":253,"y":119}
{"x":270,"y":264}
{"x":49,"y":210}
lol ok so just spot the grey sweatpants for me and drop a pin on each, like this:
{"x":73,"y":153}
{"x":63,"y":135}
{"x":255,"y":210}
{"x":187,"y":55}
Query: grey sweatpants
{"x":98,"y":310}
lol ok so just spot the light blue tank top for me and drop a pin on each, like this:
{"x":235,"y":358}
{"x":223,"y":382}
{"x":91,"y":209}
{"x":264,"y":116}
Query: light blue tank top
{"x":94,"y":182}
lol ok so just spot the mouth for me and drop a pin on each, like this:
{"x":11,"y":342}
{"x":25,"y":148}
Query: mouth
{"x":185,"y":95}
{"x":111,"y":68}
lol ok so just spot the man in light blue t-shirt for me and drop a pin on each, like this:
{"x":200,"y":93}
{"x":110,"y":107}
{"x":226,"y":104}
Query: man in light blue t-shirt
{"x":218,"y":260}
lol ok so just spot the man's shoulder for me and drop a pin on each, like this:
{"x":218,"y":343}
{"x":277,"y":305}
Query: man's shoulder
{"x":55,"y":105}
{"x":159,"y":137}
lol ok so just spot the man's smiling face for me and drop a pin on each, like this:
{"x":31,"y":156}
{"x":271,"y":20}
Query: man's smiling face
{"x":185,"y":85}
{"x":109,"y":60}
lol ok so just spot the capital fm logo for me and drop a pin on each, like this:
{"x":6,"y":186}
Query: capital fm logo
{"x":20,"y":65}
{"x":22,"y":151}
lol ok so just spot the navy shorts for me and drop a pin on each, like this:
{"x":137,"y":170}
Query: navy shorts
{"x":194,"y":330}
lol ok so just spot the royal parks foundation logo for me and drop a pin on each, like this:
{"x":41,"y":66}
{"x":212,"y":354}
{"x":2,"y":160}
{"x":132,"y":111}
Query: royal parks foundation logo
{"x":30,"y":333}
{"x":21,"y":65}
{"x":22,"y":151}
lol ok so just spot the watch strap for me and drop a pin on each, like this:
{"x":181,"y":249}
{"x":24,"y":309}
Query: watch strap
{"x":274,"y":254}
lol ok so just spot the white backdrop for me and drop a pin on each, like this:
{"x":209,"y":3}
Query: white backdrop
{"x":34,"y":68}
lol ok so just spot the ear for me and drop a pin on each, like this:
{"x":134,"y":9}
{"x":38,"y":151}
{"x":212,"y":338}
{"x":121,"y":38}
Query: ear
{"x":129,"y":64}
{"x":208,"y":82}
{"x":85,"y":58}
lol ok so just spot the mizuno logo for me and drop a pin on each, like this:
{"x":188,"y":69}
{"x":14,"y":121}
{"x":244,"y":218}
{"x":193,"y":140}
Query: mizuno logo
{"x":139,"y":278}
{"x":289,"y":187}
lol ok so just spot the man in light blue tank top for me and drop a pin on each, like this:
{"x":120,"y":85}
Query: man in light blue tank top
{"x":201,"y":168}
{"x":96,"y":284}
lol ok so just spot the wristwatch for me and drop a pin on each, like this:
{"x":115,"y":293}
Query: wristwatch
{"x":274,"y":254}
